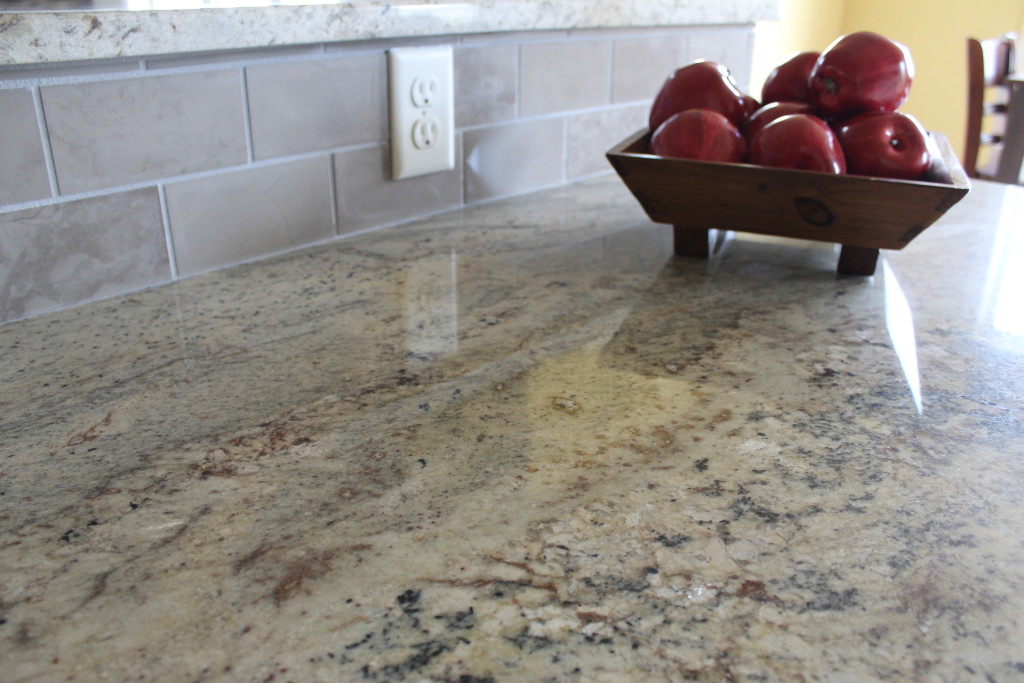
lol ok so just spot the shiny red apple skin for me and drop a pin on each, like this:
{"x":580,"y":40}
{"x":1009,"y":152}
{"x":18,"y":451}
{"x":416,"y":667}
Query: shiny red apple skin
{"x":788,"y":81}
{"x":769,"y":112}
{"x":858,"y":72}
{"x":798,"y":141}
{"x":699,"y":85}
{"x":699,"y":134}
{"x":885,"y":145}
{"x":750,"y":105}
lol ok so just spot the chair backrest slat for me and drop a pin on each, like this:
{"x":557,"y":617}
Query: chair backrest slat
{"x":989,"y":62}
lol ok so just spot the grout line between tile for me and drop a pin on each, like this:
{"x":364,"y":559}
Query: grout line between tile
{"x":333,"y":192}
{"x":165,"y":215}
{"x":147,"y":70}
{"x":246,"y":119}
{"x":565,"y":149}
{"x":460,"y":161}
{"x":518,"y":83}
{"x":44,"y":133}
{"x":558,"y":114}
{"x":195,"y":175}
{"x":611,"y":71}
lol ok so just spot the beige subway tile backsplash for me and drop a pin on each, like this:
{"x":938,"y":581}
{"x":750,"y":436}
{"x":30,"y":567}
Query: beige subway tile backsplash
{"x":303,"y":106}
{"x":119,"y":174}
{"x":593,"y":133}
{"x":84,"y":69}
{"x":562,"y":76}
{"x":513,"y":158}
{"x":643,"y":64}
{"x":367,"y":197}
{"x":64,"y":254}
{"x":732,"y":48}
{"x":110,"y":133}
{"x":232,"y":217}
{"x":485,"y":84}
{"x":23,"y":174}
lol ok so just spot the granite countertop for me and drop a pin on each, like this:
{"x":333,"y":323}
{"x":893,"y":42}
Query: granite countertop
{"x":524,"y":441}
{"x":33,"y":37}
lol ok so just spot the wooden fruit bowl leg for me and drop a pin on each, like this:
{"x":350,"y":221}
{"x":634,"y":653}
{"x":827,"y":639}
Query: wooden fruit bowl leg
{"x":857,"y":260}
{"x":690,"y":241}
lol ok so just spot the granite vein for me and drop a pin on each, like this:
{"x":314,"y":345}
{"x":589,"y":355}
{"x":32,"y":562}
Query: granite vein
{"x":523,"y":441}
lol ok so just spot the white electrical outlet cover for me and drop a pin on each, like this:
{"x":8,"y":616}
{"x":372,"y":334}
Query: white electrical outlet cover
{"x":421,"y":99}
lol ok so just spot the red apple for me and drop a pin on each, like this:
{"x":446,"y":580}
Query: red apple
{"x":859,"y":72}
{"x":798,"y":141}
{"x":769,"y":112}
{"x":700,"y":85}
{"x":788,"y":81}
{"x":885,"y":144}
{"x":699,"y":134}
{"x":750,"y":105}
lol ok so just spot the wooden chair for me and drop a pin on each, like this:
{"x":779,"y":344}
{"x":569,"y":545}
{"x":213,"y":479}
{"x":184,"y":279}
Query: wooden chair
{"x":988,"y":64}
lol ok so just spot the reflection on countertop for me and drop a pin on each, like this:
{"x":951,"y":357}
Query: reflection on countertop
{"x":524,"y":442}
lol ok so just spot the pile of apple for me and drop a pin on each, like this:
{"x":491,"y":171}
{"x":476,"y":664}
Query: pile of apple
{"x":835,"y":112}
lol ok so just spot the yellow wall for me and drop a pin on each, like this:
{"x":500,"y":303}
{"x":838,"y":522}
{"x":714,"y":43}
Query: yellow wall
{"x":934,"y":30}
{"x":803,"y":25}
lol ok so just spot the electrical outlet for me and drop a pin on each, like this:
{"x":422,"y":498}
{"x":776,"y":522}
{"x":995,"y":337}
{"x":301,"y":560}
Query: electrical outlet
{"x":421,"y":99}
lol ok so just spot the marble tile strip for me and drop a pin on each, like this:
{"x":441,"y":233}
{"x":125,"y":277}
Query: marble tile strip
{"x":64,"y":254}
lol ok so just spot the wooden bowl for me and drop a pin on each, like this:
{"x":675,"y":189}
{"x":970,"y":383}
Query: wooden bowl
{"x":862,"y":214}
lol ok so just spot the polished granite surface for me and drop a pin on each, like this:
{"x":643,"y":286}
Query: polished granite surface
{"x":31,"y":36}
{"x":524,"y":442}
